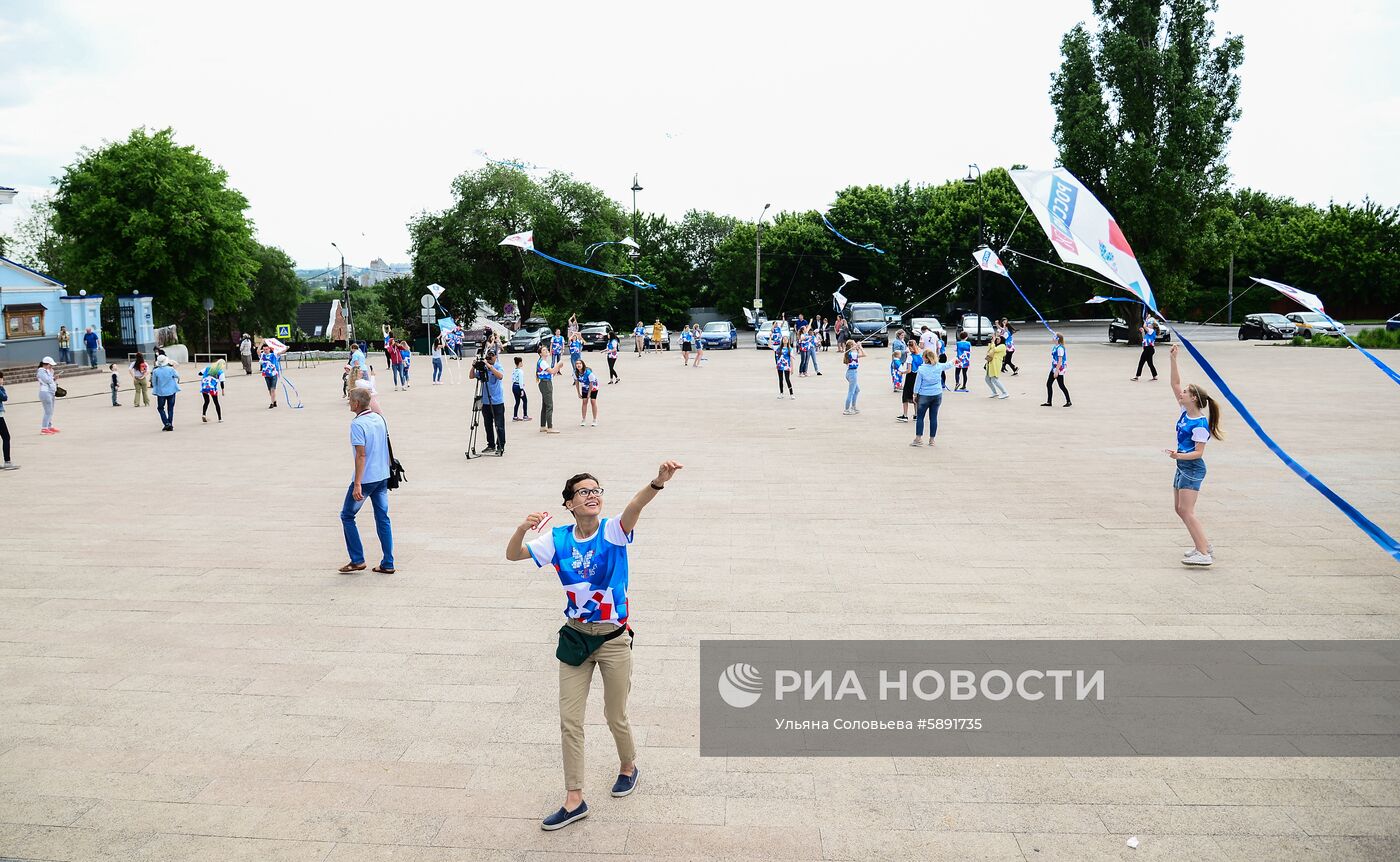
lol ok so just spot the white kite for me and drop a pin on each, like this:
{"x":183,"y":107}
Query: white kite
{"x":1082,"y":230}
{"x":524,"y":240}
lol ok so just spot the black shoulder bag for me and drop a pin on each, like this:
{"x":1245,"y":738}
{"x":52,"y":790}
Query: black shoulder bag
{"x":396,"y":472}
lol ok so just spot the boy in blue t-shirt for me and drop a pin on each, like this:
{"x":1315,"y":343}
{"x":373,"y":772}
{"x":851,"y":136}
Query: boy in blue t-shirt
{"x":590,"y":558}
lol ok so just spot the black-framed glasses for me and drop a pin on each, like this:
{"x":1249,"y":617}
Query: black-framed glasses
{"x":588,"y":492}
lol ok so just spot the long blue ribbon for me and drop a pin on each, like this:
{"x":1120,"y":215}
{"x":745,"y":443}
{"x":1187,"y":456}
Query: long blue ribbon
{"x":868,"y":246}
{"x":1367,"y":526}
{"x":1028,"y":302}
{"x":1386,"y":369}
{"x":634,"y":280}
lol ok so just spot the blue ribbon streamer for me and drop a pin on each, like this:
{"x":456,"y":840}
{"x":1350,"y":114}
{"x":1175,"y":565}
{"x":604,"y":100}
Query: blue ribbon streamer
{"x":1386,"y":369}
{"x":634,"y":280}
{"x":1366,"y":525}
{"x":868,"y":246}
{"x":1028,"y":302}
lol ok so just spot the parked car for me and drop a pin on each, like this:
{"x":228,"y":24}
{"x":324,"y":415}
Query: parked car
{"x":665,"y":338}
{"x":979,"y":329}
{"x":720,"y":335}
{"x":595,"y":335}
{"x":1266,"y":327}
{"x":868,"y":323}
{"x":891,"y":315}
{"x":1119,"y":330}
{"x":761,"y":337}
{"x":527,"y":339}
{"x":1310,"y":323}
{"x":1393,"y":323}
{"x":915,"y":325}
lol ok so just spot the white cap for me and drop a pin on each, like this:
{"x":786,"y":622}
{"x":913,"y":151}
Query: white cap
{"x":47,"y":360}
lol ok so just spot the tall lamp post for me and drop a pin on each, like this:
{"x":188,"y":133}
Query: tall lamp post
{"x":345,"y":295}
{"x":981,"y":235}
{"x":758,"y":264}
{"x":633,"y":253}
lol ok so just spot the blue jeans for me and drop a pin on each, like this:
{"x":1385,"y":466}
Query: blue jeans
{"x":852,"y":388}
{"x":437,"y":368}
{"x":803,"y":369}
{"x":65,"y":355}
{"x":927,"y":404}
{"x":378,"y":495}
{"x":165,"y":406}
{"x":398,"y":373}
{"x":403,"y":373}
{"x":92,"y":357}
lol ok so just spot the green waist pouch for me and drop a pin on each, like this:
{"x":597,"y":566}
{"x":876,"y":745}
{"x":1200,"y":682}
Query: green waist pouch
{"x":575,"y":646}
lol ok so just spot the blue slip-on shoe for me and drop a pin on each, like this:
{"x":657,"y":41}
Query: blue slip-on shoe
{"x":562,"y":818}
{"x":625,"y":784}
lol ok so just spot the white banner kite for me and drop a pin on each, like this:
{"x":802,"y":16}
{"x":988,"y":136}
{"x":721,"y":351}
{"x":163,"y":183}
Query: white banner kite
{"x":840,"y":300}
{"x":988,"y":260}
{"x":846,"y":279}
{"x":436,"y":290}
{"x":525,"y":239}
{"x":1309,"y":301}
{"x":1081,"y":229}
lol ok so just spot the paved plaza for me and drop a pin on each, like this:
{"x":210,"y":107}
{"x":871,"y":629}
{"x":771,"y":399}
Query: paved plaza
{"x":184,"y":675}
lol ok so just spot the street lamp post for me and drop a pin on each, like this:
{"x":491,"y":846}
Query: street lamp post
{"x":981,"y":235}
{"x":758,"y":263}
{"x":208,"y":307}
{"x":636,"y":288}
{"x":345,"y":297}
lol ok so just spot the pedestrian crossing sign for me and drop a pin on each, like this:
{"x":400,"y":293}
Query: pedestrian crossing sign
{"x":284,"y":330}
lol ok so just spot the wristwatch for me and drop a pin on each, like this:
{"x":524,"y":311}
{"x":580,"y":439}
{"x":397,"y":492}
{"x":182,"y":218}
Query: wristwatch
{"x":656,"y":487}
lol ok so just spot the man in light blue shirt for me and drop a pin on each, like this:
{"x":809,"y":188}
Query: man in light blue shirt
{"x":369,"y":441}
{"x":493,"y":405}
{"x":165,"y":383}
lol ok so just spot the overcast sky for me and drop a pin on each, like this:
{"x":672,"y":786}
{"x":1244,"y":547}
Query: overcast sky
{"x":339,"y":121}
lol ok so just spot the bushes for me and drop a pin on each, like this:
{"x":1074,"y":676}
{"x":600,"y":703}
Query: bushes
{"x":1371,"y":339}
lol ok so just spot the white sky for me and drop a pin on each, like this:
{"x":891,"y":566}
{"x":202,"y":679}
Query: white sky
{"x":339,"y":121}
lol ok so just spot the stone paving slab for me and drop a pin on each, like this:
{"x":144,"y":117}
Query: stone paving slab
{"x":183,"y":675}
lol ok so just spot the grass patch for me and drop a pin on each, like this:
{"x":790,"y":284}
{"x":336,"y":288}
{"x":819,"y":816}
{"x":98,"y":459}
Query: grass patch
{"x":1371,"y":339}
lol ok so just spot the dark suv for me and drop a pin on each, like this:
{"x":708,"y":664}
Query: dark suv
{"x":1267,"y":327}
{"x":595,"y":335}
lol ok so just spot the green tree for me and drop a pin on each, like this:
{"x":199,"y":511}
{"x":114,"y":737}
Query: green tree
{"x":399,"y":298}
{"x":148,"y":214}
{"x":36,"y":244}
{"x":274,"y":294}
{"x":1144,"y":111}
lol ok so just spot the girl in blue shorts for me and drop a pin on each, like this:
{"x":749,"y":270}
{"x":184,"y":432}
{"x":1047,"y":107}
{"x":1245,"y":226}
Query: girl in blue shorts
{"x":1198,"y":423}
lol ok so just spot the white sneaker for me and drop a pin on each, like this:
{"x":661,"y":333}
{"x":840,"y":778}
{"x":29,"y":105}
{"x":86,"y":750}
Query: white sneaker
{"x":1210,"y":549}
{"x":1003,"y":395}
{"x":855,"y":409}
{"x":1196,"y":558}
{"x":581,"y":424}
{"x":595,"y":425}
{"x":847,"y":412}
{"x":780,"y":396}
{"x":791,"y":396}
{"x":918,"y":441}
{"x":9,"y":466}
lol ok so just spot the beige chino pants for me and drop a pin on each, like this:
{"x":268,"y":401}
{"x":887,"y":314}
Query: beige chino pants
{"x":614,"y":660}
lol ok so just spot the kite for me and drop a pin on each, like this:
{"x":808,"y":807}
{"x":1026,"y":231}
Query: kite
{"x":525,"y":241}
{"x":868,"y":246}
{"x":626,"y":240}
{"x":988,"y":260}
{"x":1314,"y":303}
{"x":1085,"y":233}
{"x":1082,"y":230}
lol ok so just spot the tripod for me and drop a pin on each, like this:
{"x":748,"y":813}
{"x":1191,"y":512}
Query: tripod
{"x":476,"y":412}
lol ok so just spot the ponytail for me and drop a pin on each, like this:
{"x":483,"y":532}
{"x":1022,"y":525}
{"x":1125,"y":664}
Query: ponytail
{"x":1213,"y":411}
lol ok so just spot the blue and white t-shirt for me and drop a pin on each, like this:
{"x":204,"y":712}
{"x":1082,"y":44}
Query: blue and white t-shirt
{"x":544,"y":369}
{"x":964,"y":357}
{"x":853,"y":360}
{"x":556,"y":345}
{"x":686,"y":337}
{"x":612,"y":348}
{"x":1190,"y":431}
{"x":592,"y":571}
{"x":1057,"y":358}
{"x":575,"y":347}
{"x":270,"y":365}
{"x":588,"y":382}
{"x":639,"y":332}
{"x":783,"y":357}
{"x":1149,"y":335}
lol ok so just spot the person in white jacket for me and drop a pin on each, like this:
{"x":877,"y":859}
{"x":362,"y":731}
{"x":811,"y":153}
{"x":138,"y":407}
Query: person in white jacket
{"x":48,"y":391}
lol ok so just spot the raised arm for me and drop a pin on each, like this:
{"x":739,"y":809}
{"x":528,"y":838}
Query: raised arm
{"x":664,"y":474}
{"x":1176,"y":378}
{"x":515,"y":548}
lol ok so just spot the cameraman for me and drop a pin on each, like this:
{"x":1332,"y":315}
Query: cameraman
{"x":493,"y":403}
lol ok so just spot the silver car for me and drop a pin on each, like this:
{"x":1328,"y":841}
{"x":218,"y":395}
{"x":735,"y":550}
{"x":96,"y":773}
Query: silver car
{"x":765,"y":332}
